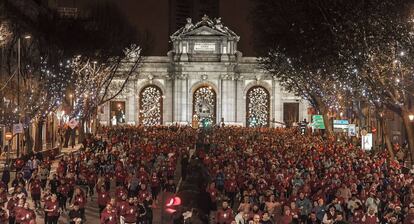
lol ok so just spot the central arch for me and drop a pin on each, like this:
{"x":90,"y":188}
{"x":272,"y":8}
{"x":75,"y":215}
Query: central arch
{"x":205,"y":104}
{"x":257,"y":107}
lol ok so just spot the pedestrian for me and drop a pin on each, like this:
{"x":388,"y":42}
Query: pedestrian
{"x":109,"y":215}
{"x":35,"y":190}
{"x":52,"y":210}
{"x":75,"y":215}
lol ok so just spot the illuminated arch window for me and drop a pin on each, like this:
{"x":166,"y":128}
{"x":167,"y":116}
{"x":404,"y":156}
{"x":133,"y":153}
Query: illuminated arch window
{"x":150,"y":106}
{"x":257,"y":107}
{"x":204,"y":105}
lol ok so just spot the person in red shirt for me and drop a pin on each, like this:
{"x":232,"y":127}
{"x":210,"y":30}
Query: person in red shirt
{"x":287,"y":217}
{"x":370,"y":217}
{"x":108,"y":215}
{"x":155,"y":186}
{"x":129,"y":214}
{"x":143,"y":192}
{"x":20,"y":211}
{"x":103,"y":198}
{"x":80,"y":199}
{"x":25,"y":215}
{"x":120,"y":192}
{"x":92,"y":178}
{"x":4,"y":217}
{"x":52,"y":210}
{"x":121,"y":204}
{"x":11,"y":205}
{"x":63,"y":191}
{"x":3,"y":195}
{"x":225,"y":214}
{"x":212,"y":190}
{"x":35,"y":187}
{"x":120,"y":176}
{"x":409,"y":218}
{"x":71,"y":182}
{"x":230,"y":186}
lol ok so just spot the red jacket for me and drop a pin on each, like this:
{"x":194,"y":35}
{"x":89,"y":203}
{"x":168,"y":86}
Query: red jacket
{"x":50,"y":205}
{"x":130,"y":213}
{"x":103,"y":198}
{"x":11,"y":205}
{"x":24,"y":216}
{"x":35,"y":187}
{"x":120,"y":191}
{"x":63,"y":190}
{"x":121,"y":206}
{"x":224,"y":216}
{"x":81,"y":200}
{"x":108,"y":217}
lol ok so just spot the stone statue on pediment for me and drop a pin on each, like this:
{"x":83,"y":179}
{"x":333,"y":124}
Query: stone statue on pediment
{"x":219,"y":26}
{"x":224,"y":29}
{"x":189,"y":25}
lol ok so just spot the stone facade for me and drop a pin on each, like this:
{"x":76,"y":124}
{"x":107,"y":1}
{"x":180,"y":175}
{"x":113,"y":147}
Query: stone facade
{"x":204,"y":55}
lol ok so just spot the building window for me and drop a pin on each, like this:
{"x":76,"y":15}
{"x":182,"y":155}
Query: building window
{"x":258,"y":107}
{"x":150,"y":106}
{"x":67,"y":12}
{"x":117,"y":112}
{"x":204,"y":105}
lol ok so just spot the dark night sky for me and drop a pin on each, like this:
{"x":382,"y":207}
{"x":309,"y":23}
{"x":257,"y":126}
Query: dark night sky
{"x":153,"y":16}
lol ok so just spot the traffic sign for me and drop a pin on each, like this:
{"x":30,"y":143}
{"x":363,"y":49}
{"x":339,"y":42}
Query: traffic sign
{"x":18,"y":128}
{"x":73,"y":123}
{"x":318,"y":122}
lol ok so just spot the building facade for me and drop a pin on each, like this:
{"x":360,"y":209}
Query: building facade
{"x":204,"y":78}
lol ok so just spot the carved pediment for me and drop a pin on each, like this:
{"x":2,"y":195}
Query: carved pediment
{"x":204,"y":31}
{"x":205,"y":27}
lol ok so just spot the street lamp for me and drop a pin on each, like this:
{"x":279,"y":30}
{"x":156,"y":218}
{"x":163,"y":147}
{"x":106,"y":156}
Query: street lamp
{"x":411,"y":117}
{"x":19,"y":46}
{"x":9,"y":138}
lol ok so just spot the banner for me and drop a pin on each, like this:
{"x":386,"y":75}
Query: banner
{"x":366,"y":143}
{"x":352,"y":130}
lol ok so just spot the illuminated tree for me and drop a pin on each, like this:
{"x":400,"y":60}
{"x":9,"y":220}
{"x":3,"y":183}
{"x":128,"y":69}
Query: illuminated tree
{"x":97,"y":83}
{"x":381,"y":53}
{"x":300,"y":51}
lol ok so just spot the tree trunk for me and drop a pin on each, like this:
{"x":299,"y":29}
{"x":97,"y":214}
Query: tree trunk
{"x":387,"y":138}
{"x":38,"y":137}
{"x":321,"y":107}
{"x":410,"y":132}
{"x":67,"y":137}
{"x":81,"y":130}
{"x":29,"y":140}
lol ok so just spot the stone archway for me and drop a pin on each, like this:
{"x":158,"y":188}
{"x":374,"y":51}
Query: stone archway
{"x":257,"y":107}
{"x":205,"y":105}
{"x":151,"y":105}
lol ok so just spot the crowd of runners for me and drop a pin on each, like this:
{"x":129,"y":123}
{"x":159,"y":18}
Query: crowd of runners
{"x":257,"y":176}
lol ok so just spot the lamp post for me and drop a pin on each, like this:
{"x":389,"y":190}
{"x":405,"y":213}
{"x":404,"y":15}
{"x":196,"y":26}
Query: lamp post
{"x":19,"y":46}
{"x":60,"y":116}
{"x":9,"y":137}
